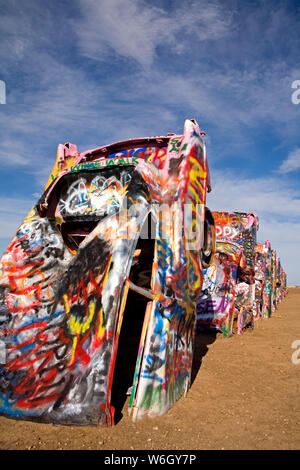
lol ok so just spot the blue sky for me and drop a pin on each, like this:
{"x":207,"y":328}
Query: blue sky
{"x":92,"y":72}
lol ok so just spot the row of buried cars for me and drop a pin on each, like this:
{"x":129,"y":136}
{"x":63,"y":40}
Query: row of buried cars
{"x":112,"y":272}
{"x":245,"y":280}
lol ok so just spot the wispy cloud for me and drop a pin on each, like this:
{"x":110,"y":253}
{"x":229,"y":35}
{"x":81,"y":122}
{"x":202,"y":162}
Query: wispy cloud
{"x":291,"y":163}
{"x":277,"y":204}
{"x":268,"y":196}
{"x":135,"y":29}
{"x":96,"y":71}
{"x":190,"y":66}
{"x":13,"y":153}
{"x":12,"y":213}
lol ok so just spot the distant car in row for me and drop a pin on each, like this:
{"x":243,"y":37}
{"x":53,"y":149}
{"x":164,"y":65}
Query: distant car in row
{"x":245,"y":281}
{"x":226,"y":300}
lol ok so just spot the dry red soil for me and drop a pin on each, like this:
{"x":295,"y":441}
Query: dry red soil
{"x":245,"y":394}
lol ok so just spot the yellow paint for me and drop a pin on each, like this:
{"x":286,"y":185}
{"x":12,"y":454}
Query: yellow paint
{"x":200,"y":168}
{"x":101,"y":328}
{"x":74,"y":345}
{"x":58,"y":168}
{"x":122,"y":308}
{"x":32,"y":215}
{"x":67,"y":305}
{"x":80,"y":328}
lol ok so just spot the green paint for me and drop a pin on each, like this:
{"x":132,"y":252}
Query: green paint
{"x":111,"y":162}
{"x":108,"y":162}
{"x":176,"y":145}
{"x":151,"y":395}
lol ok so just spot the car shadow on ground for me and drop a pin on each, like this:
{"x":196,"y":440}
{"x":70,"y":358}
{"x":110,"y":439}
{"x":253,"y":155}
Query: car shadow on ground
{"x":201,"y":342}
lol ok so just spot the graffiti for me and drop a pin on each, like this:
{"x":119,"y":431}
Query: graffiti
{"x":104,"y":163}
{"x":215,"y":306}
{"x":127,"y":157}
{"x":166,"y":365}
{"x":64,"y":281}
{"x":230,"y":296}
{"x":99,"y":196}
{"x":81,"y":253}
{"x":260,"y":273}
{"x":227,"y":232}
{"x":170,"y":349}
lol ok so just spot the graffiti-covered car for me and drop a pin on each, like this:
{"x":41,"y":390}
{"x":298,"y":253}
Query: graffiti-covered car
{"x":215,"y":306}
{"x":113,"y":249}
{"x":273,"y":281}
{"x":229,"y":284}
{"x":267,"y":291}
{"x":277,"y":281}
{"x":283,"y":285}
{"x":260,"y":279}
{"x":268,"y":279}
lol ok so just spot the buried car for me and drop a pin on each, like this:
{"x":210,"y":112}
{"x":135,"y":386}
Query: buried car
{"x":215,"y":306}
{"x":228,"y":290}
{"x":261,"y":252}
{"x":267,"y":290}
{"x":114,"y":248}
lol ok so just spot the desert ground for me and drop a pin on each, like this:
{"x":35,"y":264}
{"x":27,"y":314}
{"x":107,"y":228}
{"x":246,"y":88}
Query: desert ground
{"x":245,"y":394}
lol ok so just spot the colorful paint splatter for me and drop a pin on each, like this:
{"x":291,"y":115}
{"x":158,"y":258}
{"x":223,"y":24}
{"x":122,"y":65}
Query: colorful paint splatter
{"x":231,"y":296}
{"x":68,"y":272}
{"x":121,"y":241}
{"x":215,"y":307}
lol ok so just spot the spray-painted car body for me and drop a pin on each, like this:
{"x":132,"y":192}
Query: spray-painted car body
{"x":283,"y":286}
{"x":215,"y":306}
{"x":245,"y":291}
{"x":270,"y":280}
{"x":261,"y":302}
{"x":239,"y":229}
{"x":273,"y":280}
{"x":65,"y":279}
{"x":277,"y":281}
{"x":280,"y":283}
{"x":275,"y":287}
{"x":267,"y":290}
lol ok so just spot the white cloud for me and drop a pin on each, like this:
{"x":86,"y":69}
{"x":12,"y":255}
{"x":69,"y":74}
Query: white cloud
{"x":134,"y":29}
{"x":270,"y":196}
{"x":291,"y":163}
{"x":277,"y":205}
{"x":172,"y":67}
{"x":13,"y":152}
{"x":12,"y":213}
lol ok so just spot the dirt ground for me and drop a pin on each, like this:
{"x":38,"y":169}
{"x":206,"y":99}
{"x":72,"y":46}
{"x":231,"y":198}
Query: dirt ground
{"x":245,"y":394}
